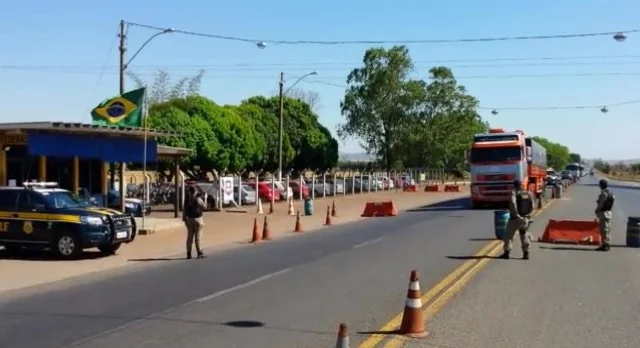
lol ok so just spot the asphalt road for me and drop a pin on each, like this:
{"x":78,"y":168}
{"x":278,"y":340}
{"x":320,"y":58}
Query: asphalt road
{"x":565,"y":296}
{"x":285,"y":293}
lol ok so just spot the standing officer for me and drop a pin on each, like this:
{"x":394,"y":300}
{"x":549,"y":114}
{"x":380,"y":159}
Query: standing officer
{"x":192,"y":217}
{"x":520,"y":209}
{"x":603,"y":212}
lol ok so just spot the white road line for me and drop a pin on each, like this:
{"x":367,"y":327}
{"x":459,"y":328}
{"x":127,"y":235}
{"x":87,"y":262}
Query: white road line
{"x":169,"y":310}
{"x":242,"y":286}
{"x":367,"y":243}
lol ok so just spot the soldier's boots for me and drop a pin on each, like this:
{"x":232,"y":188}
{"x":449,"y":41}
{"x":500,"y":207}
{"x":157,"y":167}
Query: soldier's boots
{"x":604,"y":247}
{"x":505,"y":255}
{"x":525,"y":255}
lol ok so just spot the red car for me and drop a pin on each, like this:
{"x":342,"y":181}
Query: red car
{"x":265,"y":192}
{"x":295,"y":186}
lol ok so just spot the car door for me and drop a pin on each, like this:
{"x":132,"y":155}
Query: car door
{"x":9,"y":227}
{"x":33,"y":224}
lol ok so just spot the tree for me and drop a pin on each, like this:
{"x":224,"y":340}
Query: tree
{"x":557,"y":155}
{"x":163,"y":89}
{"x":575,"y":158}
{"x":312,"y":98}
{"x":443,"y":124}
{"x":377,"y":99}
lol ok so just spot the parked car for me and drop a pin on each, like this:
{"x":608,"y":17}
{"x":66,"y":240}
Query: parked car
{"x":265,"y":191}
{"x":320,"y":187}
{"x":339,"y":186}
{"x":285,"y":193}
{"x":387,"y":183}
{"x":248,"y":194}
{"x":299,"y":188}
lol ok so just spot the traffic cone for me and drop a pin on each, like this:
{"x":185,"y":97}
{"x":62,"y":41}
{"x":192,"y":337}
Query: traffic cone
{"x":266,"y":233}
{"x":292,"y":211}
{"x":327,"y":221}
{"x":298,"y":226}
{"x":333,"y":209}
{"x":343,"y":337}
{"x":271,"y":207}
{"x":255,"y":237}
{"x":260,"y":211}
{"x":413,"y":317}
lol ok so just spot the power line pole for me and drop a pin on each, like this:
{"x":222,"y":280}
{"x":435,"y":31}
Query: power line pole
{"x":123,"y":49}
{"x":281,"y":127}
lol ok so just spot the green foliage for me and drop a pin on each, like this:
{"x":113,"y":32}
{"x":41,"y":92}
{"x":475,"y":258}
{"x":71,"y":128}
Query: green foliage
{"x":575,"y":158}
{"x":236,"y":138}
{"x":558,"y":155}
{"x":408,"y":122}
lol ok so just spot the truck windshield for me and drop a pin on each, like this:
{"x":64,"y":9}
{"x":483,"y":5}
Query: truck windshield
{"x":495,"y":154}
{"x":572,"y":167}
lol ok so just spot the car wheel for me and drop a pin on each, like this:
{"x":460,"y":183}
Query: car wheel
{"x":109,"y":249}
{"x":67,"y":246}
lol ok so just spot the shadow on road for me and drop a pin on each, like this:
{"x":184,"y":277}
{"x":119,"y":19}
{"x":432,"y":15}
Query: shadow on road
{"x":482,"y":239}
{"x":579,"y":248}
{"x":157,"y":259}
{"x":45,"y":255}
{"x":449,"y":205}
{"x":472,"y":257}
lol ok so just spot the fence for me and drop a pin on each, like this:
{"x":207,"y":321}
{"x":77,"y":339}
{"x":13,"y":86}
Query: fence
{"x":226,"y":191}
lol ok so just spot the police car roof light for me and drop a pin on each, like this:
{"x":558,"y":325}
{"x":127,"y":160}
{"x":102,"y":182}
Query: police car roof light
{"x":40,"y":184}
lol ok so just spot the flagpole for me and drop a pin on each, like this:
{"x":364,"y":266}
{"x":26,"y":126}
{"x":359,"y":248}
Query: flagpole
{"x":144,"y":157}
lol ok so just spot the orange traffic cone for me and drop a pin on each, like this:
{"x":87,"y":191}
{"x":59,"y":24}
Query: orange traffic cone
{"x":298,"y":226}
{"x":255,"y":237}
{"x":260,"y":211}
{"x":292,"y":211}
{"x":327,"y":221}
{"x":343,"y":337}
{"x":413,"y":317}
{"x":333,"y":209}
{"x":271,"y":207}
{"x":266,"y":233}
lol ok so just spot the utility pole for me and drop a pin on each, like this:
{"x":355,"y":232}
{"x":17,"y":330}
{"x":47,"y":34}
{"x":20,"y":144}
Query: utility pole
{"x":280,"y":126}
{"x":123,"y":49}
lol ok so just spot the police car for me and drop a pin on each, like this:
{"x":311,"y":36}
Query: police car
{"x":42,"y":215}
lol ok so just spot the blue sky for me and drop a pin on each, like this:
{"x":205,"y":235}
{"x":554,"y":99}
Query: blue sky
{"x":78,"y":35}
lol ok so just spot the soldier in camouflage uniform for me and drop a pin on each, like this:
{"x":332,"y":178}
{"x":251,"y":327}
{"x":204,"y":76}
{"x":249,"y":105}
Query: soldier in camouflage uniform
{"x":521,"y":206}
{"x":603,"y":212}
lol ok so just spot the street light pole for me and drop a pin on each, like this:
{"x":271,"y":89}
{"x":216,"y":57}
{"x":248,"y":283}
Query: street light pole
{"x":281,"y":116}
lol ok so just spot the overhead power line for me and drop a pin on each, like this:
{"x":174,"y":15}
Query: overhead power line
{"x":379,"y":42}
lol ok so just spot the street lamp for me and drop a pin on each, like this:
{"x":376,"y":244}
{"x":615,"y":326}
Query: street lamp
{"x":620,"y":37}
{"x":281,"y":110}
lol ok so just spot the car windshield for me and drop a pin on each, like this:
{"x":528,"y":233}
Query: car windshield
{"x":62,"y":199}
{"x":495,"y":154}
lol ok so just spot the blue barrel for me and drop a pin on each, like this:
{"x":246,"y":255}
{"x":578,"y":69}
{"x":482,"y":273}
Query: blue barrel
{"x":633,"y":232}
{"x":308,"y":206}
{"x":500,"y":220}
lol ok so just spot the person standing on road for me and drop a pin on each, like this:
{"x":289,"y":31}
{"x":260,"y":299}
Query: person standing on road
{"x":603,"y":212}
{"x":520,"y":209}
{"x":192,"y":217}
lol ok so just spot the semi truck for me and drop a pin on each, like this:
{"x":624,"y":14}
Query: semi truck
{"x":498,"y":158}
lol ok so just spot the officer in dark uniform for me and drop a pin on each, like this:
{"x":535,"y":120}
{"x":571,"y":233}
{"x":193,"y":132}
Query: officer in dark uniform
{"x":520,"y":208}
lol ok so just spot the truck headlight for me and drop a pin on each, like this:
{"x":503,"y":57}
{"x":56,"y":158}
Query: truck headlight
{"x":130,"y":205}
{"x":91,"y":220}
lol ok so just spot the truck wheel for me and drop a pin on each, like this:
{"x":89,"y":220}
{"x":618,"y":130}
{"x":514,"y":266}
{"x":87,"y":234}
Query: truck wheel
{"x":67,"y":246}
{"x":109,"y":249}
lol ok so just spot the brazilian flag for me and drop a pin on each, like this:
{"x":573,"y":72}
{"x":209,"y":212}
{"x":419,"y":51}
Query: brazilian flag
{"x":123,"y":111}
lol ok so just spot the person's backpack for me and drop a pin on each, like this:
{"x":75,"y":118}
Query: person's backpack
{"x":607,"y":205}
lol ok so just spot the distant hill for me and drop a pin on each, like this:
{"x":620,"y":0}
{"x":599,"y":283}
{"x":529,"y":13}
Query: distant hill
{"x":355,"y":157}
{"x":626,"y":161}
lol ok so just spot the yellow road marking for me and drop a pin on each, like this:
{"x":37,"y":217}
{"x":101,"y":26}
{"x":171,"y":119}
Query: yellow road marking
{"x":394,"y":323}
{"x":474,"y":266}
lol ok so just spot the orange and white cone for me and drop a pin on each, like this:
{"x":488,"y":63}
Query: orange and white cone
{"x":255,"y":236}
{"x":413,"y":317}
{"x":266,"y":232}
{"x":292,"y":211}
{"x":260,"y":211}
{"x":343,"y":337}
{"x":298,"y":227}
